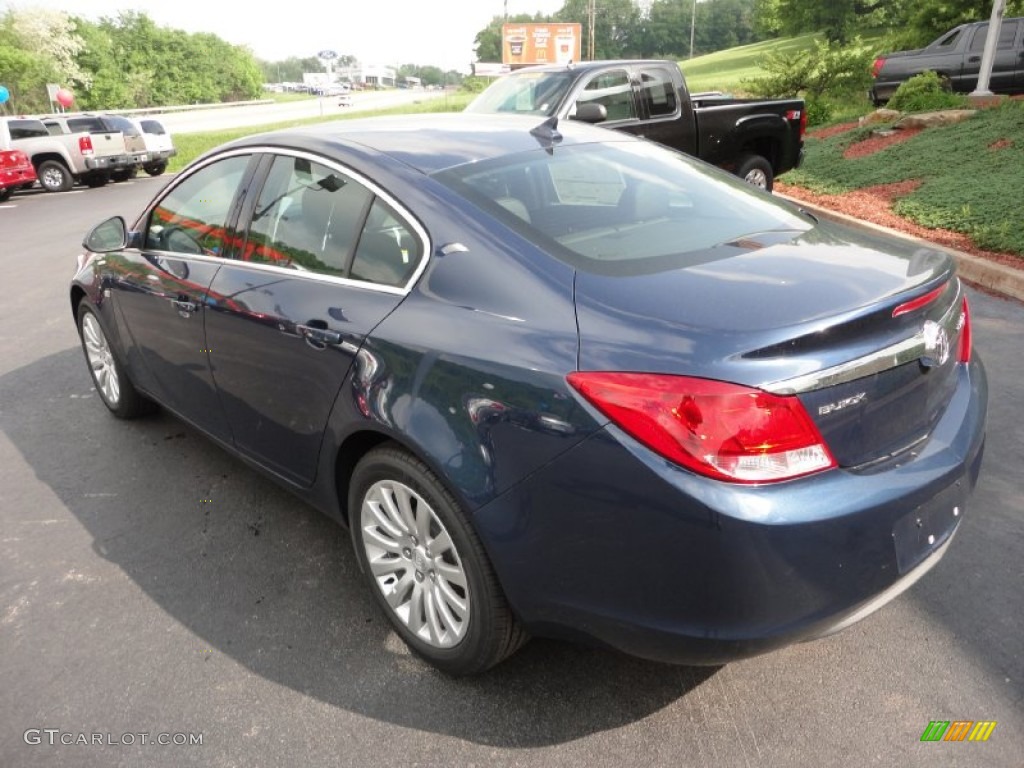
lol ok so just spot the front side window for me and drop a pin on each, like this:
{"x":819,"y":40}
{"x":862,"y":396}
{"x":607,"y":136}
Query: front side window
{"x":528,"y":93}
{"x":192,"y":218}
{"x":614,"y":91}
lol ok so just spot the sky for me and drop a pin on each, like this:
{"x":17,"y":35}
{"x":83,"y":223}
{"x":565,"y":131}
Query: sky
{"x":385,"y":32}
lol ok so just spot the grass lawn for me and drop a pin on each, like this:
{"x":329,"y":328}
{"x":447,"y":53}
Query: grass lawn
{"x":724,"y":70}
{"x":971,"y":173}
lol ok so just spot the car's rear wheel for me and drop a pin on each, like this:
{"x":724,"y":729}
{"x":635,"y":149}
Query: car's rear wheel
{"x":757,"y":171}
{"x":54,"y":176}
{"x":155,"y":169}
{"x":6,"y":193}
{"x":426,"y":567}
{"x":114,"y":387}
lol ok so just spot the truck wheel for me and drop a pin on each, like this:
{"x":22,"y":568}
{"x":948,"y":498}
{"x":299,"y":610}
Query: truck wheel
{"x":124,"y":174}
{"x":54,"y":176}
{"x":97,"y":180}
{"x":757,"y":171}
{"x":155,"y":169}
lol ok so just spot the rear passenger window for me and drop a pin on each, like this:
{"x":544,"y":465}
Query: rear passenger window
{"x":388,"y":251}
{"x":658,"y":92}
{"x":1007,"y":36}
{"x":307,"y":217}
{"x":87,"y":125}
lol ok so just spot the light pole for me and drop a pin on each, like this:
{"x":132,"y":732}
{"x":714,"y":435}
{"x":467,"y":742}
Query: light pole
{"x":693,"y":26}
{"x":988,"y":57}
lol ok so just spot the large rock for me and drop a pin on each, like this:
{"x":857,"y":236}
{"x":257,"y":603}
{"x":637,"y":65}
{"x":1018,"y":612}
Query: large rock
{"x":934,"y":119}
{"x":880,"y":116}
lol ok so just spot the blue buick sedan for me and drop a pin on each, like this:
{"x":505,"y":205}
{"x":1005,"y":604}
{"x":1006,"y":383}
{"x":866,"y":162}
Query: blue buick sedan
{"x":555,"y":380}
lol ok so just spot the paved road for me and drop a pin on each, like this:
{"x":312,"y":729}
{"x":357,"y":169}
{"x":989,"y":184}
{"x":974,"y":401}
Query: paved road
{"x":129,"y":605}
{"x":223,"y":118}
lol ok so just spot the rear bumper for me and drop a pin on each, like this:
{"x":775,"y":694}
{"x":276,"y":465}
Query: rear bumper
{"x":614,"y":544}
{"x":109,"y":162}
{"x":15,"y":177}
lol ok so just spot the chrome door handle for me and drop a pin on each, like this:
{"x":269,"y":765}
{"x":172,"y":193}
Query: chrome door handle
{"x":318,"y":336}
{"x":184,"y":306}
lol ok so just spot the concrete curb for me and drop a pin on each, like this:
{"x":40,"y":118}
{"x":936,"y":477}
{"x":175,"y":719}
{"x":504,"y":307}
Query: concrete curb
{"x":1006,"y":281}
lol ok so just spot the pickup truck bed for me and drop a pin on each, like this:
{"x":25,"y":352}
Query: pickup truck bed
{"x":756,"y":140}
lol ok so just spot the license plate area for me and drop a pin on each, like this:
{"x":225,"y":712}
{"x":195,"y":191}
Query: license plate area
{"x":919,"y":533}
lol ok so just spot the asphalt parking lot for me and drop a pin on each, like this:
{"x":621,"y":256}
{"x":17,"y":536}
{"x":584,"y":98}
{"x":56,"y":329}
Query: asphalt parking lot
{"x":152,"y":584}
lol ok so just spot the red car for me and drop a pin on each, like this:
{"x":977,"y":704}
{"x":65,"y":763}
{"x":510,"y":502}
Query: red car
{"x":16,"y":172}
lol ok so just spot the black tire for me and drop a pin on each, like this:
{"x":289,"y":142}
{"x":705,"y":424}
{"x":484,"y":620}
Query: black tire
{"x":155,"y":169}
{"x":127,"y":402}
{"x":95,"y":180}
{"x":124,"y":174}
{"x":54,"y":176}
{"x":5,"y":194}
{"x":490,"y":632}
{"x":757,"y":171}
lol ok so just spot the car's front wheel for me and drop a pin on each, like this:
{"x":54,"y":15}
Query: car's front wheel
{"x":115,"y":388}
{"x":426,"y":567}
{"x":6,"y":193}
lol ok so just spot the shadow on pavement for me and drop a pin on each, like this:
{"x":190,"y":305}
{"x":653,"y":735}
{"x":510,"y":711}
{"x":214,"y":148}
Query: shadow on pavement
{"x":273,"y":585}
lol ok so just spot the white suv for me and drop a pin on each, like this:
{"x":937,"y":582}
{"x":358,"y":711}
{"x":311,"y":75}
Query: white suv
{"x":159,"y":145}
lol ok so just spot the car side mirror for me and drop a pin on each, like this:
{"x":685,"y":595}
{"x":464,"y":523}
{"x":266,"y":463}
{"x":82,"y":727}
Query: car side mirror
{"x":590,"y":112}
{"x":107,"y":236}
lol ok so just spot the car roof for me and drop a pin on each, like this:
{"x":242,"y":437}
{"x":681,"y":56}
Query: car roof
{"x":435,"y":142}
{"x":586,"y":66}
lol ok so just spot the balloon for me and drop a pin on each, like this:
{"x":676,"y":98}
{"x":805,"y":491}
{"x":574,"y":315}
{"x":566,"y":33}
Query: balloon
{"x":65,"y":97}
{"x":4,"y":94}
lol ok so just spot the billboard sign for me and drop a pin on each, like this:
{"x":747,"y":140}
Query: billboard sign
{"x":523,"y":44}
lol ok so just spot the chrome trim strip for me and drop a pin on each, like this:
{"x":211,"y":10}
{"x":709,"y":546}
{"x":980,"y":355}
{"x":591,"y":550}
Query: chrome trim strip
{"x":893,"y":356}
{"x":403,"y":212}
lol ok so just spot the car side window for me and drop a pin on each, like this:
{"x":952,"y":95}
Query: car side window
{"x":658,"y":92}
{"x":192,"y":218}
{"x":614,"y":91}
{"x":1007,"y":36}
{"x":307,"y":217}
{"x":388,"y":251}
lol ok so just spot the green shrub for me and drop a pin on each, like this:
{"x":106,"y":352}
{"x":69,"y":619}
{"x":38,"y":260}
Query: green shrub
{"x":827,"y":68}
{"x":924,"y":93}
{"x":819,"y":112}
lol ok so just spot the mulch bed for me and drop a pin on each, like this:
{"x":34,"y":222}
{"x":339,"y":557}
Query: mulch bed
{"x":878,"y":143}
{"x":833,"y":130}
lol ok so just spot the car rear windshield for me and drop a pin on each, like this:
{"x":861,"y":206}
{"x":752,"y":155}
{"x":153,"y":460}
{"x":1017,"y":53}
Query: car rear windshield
{"x":526,"y":93}
{"x":152,"y":126}
{"x":622,"y":207}
{"x":122,"y":124}
{"x":87,"y":125}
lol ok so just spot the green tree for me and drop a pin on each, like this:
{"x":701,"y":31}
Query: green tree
{"x":618,"y":27}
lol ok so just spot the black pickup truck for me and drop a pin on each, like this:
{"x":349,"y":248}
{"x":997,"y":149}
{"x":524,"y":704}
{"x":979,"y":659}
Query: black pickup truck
{"x":756,"y":140}
{"x":956,"y":57}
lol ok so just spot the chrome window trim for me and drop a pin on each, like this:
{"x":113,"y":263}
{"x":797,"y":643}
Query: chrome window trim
{"x":404,"y":214}
{"x":893,"y":356}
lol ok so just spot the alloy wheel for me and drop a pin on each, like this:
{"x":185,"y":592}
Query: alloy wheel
{"x":415,"y":564}
{"x":101,"y":360}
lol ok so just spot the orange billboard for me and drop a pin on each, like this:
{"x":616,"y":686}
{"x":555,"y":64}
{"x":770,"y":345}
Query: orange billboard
{"x":523,"y":44}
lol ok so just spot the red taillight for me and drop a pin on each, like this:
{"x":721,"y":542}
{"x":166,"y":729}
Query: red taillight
{"x":801,"y":115}
{"x":720,"y":430}
{"x":877,"y":65}
{"x":85,"y":144}
{"x":920,"y":301}
{"x":964,"y":349}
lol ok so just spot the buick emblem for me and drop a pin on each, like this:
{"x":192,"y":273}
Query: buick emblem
{"x":936,"y":344}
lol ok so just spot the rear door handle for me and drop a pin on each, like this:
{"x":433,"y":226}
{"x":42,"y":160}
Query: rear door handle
{"x":318,"y":336}
{"x":184,"y":306}
{"x":974,"y":59}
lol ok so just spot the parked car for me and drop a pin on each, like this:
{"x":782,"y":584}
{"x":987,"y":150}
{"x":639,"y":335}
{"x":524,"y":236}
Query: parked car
{"x":159,"y":145}
{"x":16,"y":172}
{"x":755,"y":139}
{"x":556,"y":380}
{"x":63,"y":154}
{"x":956,"y":57}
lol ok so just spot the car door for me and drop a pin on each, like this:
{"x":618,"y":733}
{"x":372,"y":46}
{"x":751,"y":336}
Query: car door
{"x":1006,"y":63}
{"x":327,"y":256}
{"x":161,"y":289}
{"x":667,"y":118}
